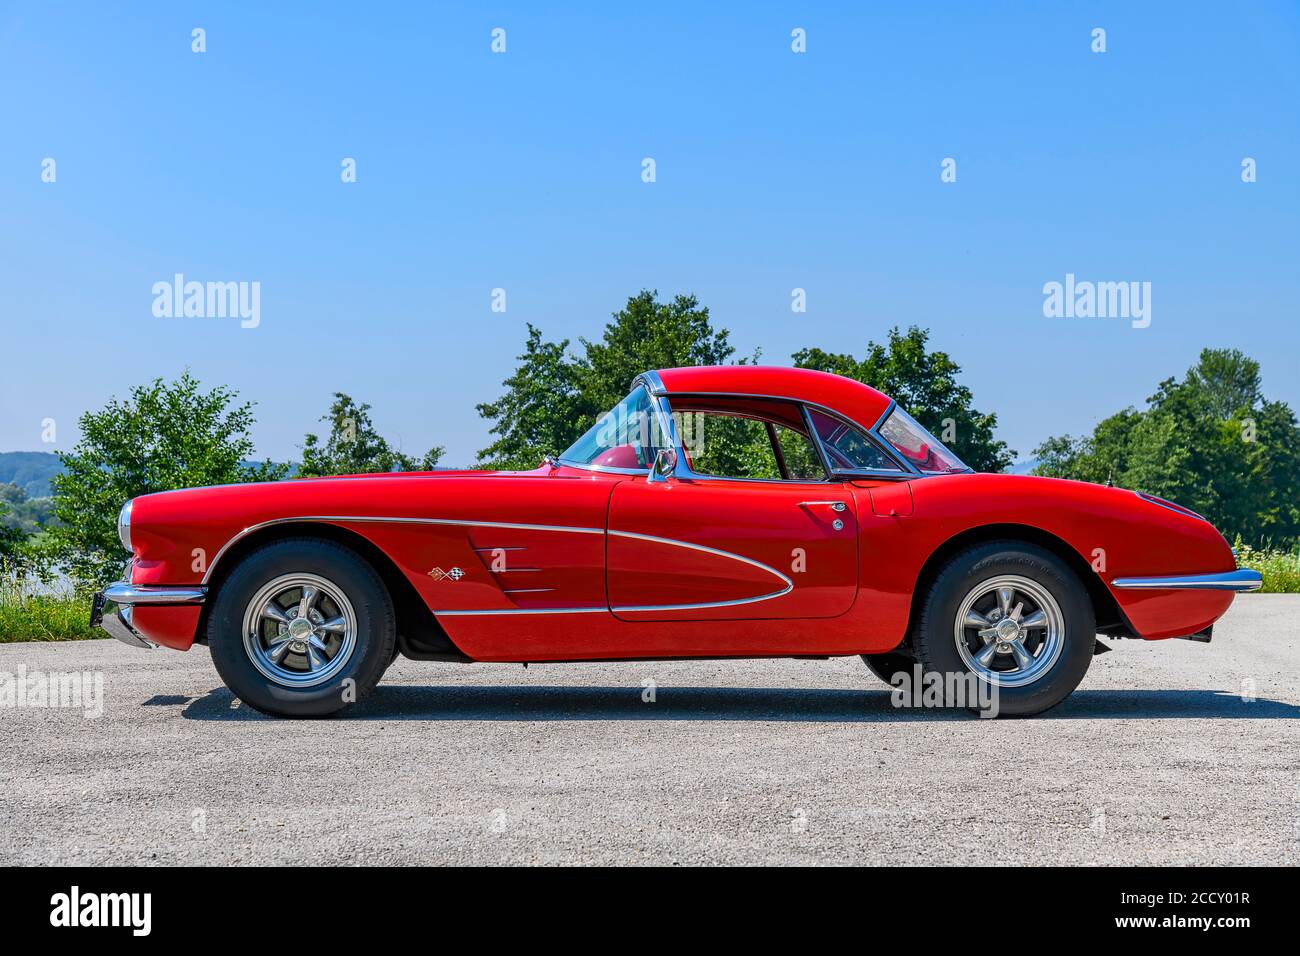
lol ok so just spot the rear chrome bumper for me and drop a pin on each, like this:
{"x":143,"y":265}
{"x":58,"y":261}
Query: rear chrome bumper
{"x":1243,"y":579}
{"x":112,"y":607}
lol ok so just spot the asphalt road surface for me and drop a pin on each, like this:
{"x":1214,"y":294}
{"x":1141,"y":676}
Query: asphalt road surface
{"x":1169,"y":753}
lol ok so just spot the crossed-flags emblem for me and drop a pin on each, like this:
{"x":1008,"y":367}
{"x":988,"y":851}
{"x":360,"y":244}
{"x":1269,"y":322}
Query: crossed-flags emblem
{"x":439,"y":574}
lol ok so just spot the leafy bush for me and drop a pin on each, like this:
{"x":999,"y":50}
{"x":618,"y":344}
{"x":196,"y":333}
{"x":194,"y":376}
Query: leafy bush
{"x":1281,"y":569}
{"x":354,"y":447}
{"x":164,"y":436}
{"x":29,"y":612}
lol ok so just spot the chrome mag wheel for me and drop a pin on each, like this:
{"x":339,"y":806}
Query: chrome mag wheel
{"x":300,"y":630}
{"x":1009,"y":630}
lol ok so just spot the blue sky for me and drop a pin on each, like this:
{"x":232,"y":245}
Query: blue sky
{"x":522,"y":171}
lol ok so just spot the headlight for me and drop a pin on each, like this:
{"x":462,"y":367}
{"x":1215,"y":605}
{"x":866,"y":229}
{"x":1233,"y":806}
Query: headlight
{"x":124,"y":524}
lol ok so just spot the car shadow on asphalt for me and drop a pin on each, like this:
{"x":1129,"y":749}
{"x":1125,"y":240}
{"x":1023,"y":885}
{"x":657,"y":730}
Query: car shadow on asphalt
{"x":810,"y":705}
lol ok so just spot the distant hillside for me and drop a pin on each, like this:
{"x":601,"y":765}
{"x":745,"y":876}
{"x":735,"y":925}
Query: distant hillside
{"x":32,"y":470}
{"x":29,"y":470}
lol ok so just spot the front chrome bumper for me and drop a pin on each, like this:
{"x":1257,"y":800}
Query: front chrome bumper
{"x":112,"y":607}
{"x":1242,"y":579}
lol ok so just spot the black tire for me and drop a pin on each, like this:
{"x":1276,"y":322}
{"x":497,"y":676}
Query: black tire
{"x":885,"y":666}
{"x":934,"y":638}
{"x":375,"y":638}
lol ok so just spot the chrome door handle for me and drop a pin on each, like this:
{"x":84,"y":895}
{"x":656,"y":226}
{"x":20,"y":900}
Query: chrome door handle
{"x":833,"y":505}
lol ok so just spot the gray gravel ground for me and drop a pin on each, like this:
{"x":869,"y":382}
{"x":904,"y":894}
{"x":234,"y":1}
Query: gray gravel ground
{"x":1157,"y":758}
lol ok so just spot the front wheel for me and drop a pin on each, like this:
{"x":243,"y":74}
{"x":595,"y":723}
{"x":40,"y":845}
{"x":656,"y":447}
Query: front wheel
{"x":302,"y":628}
{"x":1014,"y":617}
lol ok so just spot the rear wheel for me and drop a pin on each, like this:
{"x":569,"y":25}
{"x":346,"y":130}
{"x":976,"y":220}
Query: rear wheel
{"x":302,"y":628}
{"x":1016,"y":618}
{"x":885,"y":666}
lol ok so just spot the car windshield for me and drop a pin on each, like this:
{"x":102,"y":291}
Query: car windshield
{"x":918,"y":446}
{"x":627,"y":437}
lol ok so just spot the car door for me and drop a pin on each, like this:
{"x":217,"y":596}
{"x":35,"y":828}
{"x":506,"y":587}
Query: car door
{"x":726,"y":547}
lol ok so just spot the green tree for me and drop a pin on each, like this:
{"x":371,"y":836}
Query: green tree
{"x":29,"y":515}
{"x":1097,"y":458}
{"x":554,"y":396}
{"x":11,"y":538}
{"x":1211,"y":442}
{"x":165,"y":435}
{"x":540,"y":410}
{"x":647,"y":334}
{"x":354,"y":447}
{"x":925,"y":384}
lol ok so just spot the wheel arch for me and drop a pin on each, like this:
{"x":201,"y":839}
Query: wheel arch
{"x":1110,"y":617}
{"x":419,"y":635}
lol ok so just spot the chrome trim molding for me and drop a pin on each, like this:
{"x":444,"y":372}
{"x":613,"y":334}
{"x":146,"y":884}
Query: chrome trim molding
{"x":627,"y":608}
{"x":608,"y":469}
{"x":378,"y":519}
{"x":1243,"y":579}
{"x":789,"y":585}
{"x":818,"y":446}
{"x":124,"y":524}
{"x":129,"y":595}
{"x":883,"y":416}
{"x":653,"y":383}
{"x":1174,"y":507}
{"x":668,"y":426}
{"x":459,"y":522}
{"x":117,"y":623}
{"x":887,"y":473}
{"x":525,"y":610}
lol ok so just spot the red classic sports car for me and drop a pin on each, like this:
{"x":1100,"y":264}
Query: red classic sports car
{"x":734,"y":511}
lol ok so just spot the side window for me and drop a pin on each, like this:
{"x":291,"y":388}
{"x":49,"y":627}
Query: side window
{"x":801,"y":460}
{"x":847,"y":447}
{"x":726,"y":445}
{"x":729,"y":446}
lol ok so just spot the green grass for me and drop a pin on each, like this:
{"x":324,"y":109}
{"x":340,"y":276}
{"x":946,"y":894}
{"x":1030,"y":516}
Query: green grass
{"x":58,"y":616}
{"x":1281,"y":569}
